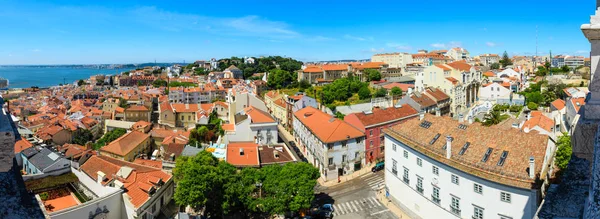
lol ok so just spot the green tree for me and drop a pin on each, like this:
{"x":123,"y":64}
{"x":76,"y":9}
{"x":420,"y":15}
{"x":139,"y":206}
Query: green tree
{"x":122,"y":102}
{"x":159,"y":83}
{"x":565,"y":69}
{"x":364,"y":93}
{"x":492,"y":118}
{"x":495,"y":65}
{"x":80,"y":82}
{"x":381,"y":92}
{"x":547,"y":65}
{"x":182,"y":84}
{"x":200,"y":71}
{"x":304,"y":84}
{"x":109,"y":137}
{"x":564,"y":151}
{"x":339,"y":115}
{"x":396,"y":91}
{"x":532,"y":106}
{"x":505,"y":61}
{"x":279,"y":79}
{"x":373,"y":74}
{"x":82,"y":136}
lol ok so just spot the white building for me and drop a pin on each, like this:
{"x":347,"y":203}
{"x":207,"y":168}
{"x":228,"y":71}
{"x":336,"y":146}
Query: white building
{"x":574,"y":61}
{"x":458,"y":54}
{"x":439,"y":168}
{"x":494,"y":91}
{"x":335,"y":147}
{"x":489,"y":59}
{"x":252,"y":125}
{"x":394,"y":60}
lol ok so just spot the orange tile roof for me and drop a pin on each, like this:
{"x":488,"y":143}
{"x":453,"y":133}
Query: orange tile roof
{"x":280,"y":102}
{"x":489,"y":74}
{"x":60,"y":203}
{"x":228,"y":127}
{"x":335,"y":67}
{"x":578,"y":102}
{"x":150,"y":163}
{"x":437,"y":94}
{"x":402,"y":86}
{"x":126,"y":143}
{"x":140,"y":124}
{"x":519,"y":145}
{"x":559,"y":104}
{"x":451,"y":79}
{"x":460,"y":65}
{"x":443,"y":67}
{"x":327,"y":128}
{"x":369,"y":65}
{"x":136,"y":184}
{"x":137,"y":108}
{"x":249,"y":157}
{"x":163,"y":133}
{"x":312,"y":69}
{"x":379,"y":116}
{"x":22,"y":145}
{"x":258,"y":116}
{"x":540,"y":120}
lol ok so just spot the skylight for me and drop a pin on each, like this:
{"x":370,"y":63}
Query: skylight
{"x":462,"y":126}
{"x":435,"y":138}
{"x":502,"y":158}
{"x":487,"y":155}
{"x":464,"y":148}
{"x":425,"y":124}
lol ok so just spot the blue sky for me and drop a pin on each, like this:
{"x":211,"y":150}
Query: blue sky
{"x":81,"y":32}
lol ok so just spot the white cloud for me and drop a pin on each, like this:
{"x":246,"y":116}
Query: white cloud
{"x":399,"y":46}
{"x":438,"y":45}
{"x":351,"y":37}
{"x":374,"y":50}
{"x":490,"y":44}
{"x":582,"y":52}
{"x":36,"y":50}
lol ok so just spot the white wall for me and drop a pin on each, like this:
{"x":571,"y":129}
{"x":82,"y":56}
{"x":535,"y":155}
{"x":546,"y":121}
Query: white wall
{"x":523,"y":202}
{"x":112,"y":202}
{"x":493,"y":92}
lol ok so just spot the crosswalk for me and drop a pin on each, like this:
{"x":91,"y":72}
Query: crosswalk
{"x":355,"y":206}
{"x":375,"y":181}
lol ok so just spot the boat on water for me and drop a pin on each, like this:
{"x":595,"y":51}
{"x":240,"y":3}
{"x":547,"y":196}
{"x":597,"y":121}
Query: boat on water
{"x":3,"y":83}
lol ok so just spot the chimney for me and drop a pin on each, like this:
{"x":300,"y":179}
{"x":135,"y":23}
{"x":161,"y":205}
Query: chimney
{"x":421,"y":115}
{"x":461,"y":118}
{"x":438,"y":113}
{"x":241,"y":151}
{"x":531,"y":167}
{"x":448,"y":147}
{"x":101,"y":177}
{"x":470,"y":119}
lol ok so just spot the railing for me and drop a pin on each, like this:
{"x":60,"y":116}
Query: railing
{"x":454,"y":210}
{"x":435,"y":199}
{"x":406,"y":180}
{"x":420,"y":190}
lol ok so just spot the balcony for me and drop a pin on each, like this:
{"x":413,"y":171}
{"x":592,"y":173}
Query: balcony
{"x":406,"y":180}
{"x":420,"y":190}
{"x":395,"y":172}
{"x":435,"y":199}
{"x":455,"y":210}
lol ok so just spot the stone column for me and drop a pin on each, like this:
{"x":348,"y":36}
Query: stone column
{"x":585,"y":129}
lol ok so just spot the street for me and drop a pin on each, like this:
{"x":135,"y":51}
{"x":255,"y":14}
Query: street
{"x":356,"y":198}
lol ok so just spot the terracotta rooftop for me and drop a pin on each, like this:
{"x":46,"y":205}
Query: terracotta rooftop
{"x":402,"y":86}
{"x":276,"y":154}
{"x":443,"y":67}
{"x":511,"y":172}
{"x":380,"y":116}
{"x":150,"y":163}
{"x":126,"y":143}
{"x":313,"y":69}
{"x":327,"y":128}
{"x":577,"y":103}
{"x":489,"y":74}
{"x":243,"y":154}
{"x":437,"y":94}
{"x":335,"y":67}
{"x":423,"y":100}
{"x":460,"y":65}
{"x":559,"y":104}
{"x":540,"y":120}
{"x":22,"y":145}
{"x":258,"y":116}
{"x":451,"y":79}
{"x":137,"y":183}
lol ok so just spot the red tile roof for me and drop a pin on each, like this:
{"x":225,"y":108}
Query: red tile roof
{"x":540,"y":120}
{"x":402,"y":86}
{"x":249,"y":157}
{"x":423,"y":100}
{"x":313,"y":69}
{"x":578,"y":102}
{"x":489,"y":74}
{"x":258,"y":116}
{"x":22,"y":145}
{"x":519,"y":145}
{"x":150,"y":163}
{"x":451,"y":79}
{"x":325,"y":127}
{"x":137,"y":183}
{"x":559,"y":104}
{"x":126,"y":143}
{"x":380,"y":116}
{"x":460,"y":65}
{"x":443,"y":67}
{"x":335,"y":67}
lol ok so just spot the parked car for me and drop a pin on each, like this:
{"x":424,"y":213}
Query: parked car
{"x":379,"y":166}
{"x":326,"y":211}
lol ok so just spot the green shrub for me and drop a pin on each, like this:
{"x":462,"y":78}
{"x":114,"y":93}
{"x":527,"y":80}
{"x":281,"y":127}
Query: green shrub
{"x":532,"y":106}
{"x":44,"y":196}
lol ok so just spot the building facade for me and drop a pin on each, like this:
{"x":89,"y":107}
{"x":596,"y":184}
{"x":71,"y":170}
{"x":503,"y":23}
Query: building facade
{"x":394,"y":60}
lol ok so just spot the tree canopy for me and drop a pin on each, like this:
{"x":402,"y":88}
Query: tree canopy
{"x":159,"y":83}
{"x":564,"y":151}
{"x":109,"y":137}
{"x":342,"y":89}
{"x":364,"y":93}
{"x":261,"y":64}
{"x":381,"y":92}
{"x":204,"y":182}
{"x":82,"y":136}
{"x":396,"y":91}
{"x":505,"y":61}
{"x":373,"y":74}
{"x":495,"y":65}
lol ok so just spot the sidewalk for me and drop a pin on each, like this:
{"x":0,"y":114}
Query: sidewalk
{"x":366,"y":169}
{"x":389,"y":205}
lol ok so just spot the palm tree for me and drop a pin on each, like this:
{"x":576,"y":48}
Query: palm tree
{"x":492,"y":118}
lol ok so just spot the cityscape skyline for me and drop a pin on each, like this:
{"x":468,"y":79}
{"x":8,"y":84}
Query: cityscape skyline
{"x":70,"y":32}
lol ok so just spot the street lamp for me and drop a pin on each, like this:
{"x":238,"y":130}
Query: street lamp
{"x":259,"y":185}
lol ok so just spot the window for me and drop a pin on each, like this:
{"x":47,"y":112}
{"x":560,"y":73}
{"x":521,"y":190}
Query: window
{"x":344,"y":143}
{"x":381,"y":149}
{"x":343,"y":158}
{"x":371,"y":142}
{"x":505,"y":197}
{"x":405,"y":154}
{"x":405,"y":176}
{"x":394,"y":147}
{"x":381,"y":140}
{"x":455,"y":206}
{"x":394,"y":169}
{"x":419,"y":162}
{"x":358,"y":140}
{"x":435,"y":170}
{"x":477,"y":212}
{"x":356,"y":155}
{"x":477,"y":188}
{"x":330,"y":162}
{"x":329,"y":146}
{"x":435,"y":195}
{"x":371,"y":132}
{"x":420,"y":184}
{"x":454,"y":179}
